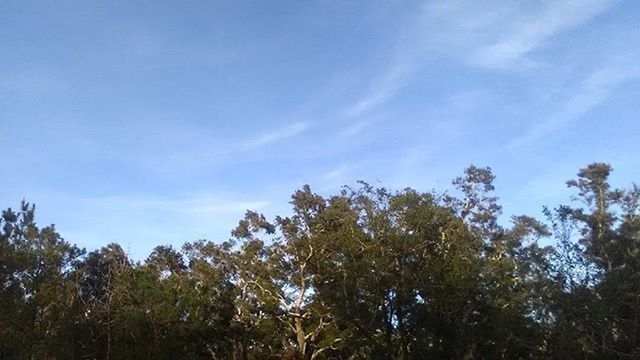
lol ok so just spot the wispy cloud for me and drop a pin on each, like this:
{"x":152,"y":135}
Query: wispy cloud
{"x":535,"y":30}
{"x":354,"y":129}
{"x":140,"y":221}
{"x":403,"y":61}
{"x":272,"y":136}
{"x":192,"y":204}
{"x":494,"y":35}
{"x":500,"y":34}
{"x":592,"y":92}
{"x":383,"y":88}
{"x":336,"y":173}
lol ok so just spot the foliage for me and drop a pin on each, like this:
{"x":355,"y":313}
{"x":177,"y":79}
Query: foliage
{"x":367,"y":273}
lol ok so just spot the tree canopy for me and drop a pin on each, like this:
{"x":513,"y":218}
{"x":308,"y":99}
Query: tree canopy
{"x":367,"y":273}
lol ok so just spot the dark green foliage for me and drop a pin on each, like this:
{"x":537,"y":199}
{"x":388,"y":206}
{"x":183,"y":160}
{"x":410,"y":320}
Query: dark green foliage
{"x":365,"y":274}
{"x":36,"y":287}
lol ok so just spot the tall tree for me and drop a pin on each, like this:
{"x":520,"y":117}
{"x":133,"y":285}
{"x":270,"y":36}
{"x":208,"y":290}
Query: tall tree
{"x":36,"y":292}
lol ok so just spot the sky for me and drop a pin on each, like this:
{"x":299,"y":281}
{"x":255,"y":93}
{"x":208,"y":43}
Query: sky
{"x":161,"y":122}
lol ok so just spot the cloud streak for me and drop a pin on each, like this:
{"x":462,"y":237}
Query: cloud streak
{"x":594,"y":90}
{"x":383,"y":88}
{"x":276,"y":135}
{"x":143,"y":220}
{"x":535,"y":30}
{"x":195,"y":204}
{"x":491,"y":36}
{"x":500,"y":34}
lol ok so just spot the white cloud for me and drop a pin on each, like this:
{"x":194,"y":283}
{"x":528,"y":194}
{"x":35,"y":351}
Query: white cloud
{"x":139,"y":222}
{"x":272,"y":136}
{"x":224,"y":207}
{"x":193,"y":204}
{"x":592,"y":92}
{"x":535,"y":29}
{"x":488,"y":35}
{"x":336,"y":174}
{"x":501,"y":34}
{"x":354,"y":129}
{"x":382,"y":89}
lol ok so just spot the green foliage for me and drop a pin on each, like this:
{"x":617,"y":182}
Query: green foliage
{"x":36,"y":287}
{"x":367,"y":273}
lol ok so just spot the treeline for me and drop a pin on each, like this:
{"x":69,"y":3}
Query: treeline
{"x":365,"y":274}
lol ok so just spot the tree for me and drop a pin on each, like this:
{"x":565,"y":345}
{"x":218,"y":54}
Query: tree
{"x":36,"y":290}
{"x":365,"y":273}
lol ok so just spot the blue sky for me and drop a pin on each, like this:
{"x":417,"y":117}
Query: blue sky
{"x":150,"y":122}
